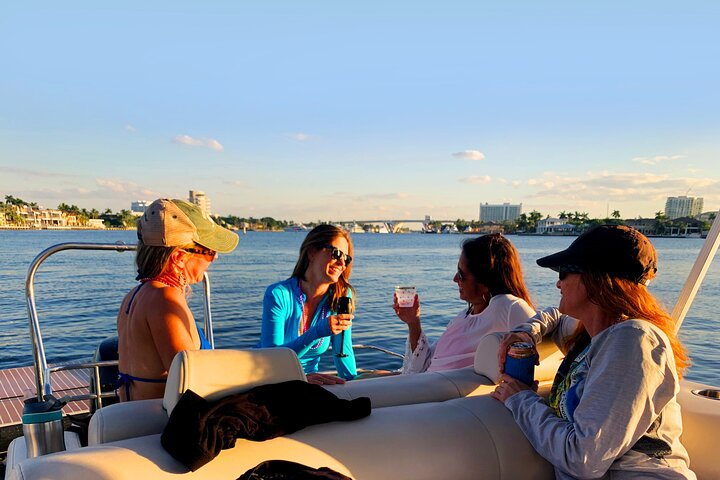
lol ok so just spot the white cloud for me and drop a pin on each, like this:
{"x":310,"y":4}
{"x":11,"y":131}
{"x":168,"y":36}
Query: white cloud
{"x":301,"y":137}
{"x":475,"y":179}
{"x":210,"y":143}
{"x":476,"y":155}
{"x":656,"y":159}
{"x":110,"y":184}
{"x":604,"y":186}
{"x":130,"y":128}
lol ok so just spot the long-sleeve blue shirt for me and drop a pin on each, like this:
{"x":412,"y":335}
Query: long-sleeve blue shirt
{"x":282,"y":312}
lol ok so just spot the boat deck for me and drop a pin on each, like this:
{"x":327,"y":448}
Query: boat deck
{"x":14,"y":382}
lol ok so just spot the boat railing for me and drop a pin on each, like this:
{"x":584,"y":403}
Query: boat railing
{"x":360,"y":346}
{"x":42,"y":371}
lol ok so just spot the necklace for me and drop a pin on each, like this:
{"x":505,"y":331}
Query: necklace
{"x":165,"y":280}
{"x":304,"y":325}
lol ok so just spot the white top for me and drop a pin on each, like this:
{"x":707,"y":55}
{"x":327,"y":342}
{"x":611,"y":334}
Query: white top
{"x":456,"y":346}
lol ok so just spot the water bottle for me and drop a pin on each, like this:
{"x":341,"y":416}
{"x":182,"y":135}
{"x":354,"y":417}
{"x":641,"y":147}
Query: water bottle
{"x":42,"y":426}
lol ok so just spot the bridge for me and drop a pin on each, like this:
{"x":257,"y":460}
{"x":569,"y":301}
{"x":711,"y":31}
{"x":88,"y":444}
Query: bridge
{"x":392,"y":225}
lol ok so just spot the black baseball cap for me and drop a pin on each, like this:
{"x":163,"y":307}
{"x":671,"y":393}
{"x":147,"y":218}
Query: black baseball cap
{"x":617,"y":250}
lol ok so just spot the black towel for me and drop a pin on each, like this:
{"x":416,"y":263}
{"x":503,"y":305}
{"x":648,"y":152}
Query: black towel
{"x":284,"y":470}
{"x":198,"y":429}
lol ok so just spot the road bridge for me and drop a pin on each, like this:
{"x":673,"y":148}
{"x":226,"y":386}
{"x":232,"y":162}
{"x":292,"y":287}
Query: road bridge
{"x":394,"y":225}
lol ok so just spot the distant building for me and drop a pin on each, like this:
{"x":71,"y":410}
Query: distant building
{"x":499,"y":213}
{"x":198,"y":198}
{"x":553,"y":226}
{"x":138,"y":207}
{"x":96,"y":223}
{"x":676,"y":207}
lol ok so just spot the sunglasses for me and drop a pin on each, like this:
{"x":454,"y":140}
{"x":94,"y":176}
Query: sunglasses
{"x":337,"y":254}
{"x":201,"y":251}
{"x":564,"y":271}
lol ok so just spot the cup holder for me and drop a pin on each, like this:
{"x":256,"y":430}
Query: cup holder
{"x":713,"y":393}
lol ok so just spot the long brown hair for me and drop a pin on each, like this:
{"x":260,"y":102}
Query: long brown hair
{"x":624,"y":299}
{"x":316,"y":240}
{"x":494,"y":262}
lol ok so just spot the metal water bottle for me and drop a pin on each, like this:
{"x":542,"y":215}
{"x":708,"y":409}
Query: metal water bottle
{"x":42,"y":426}
{"x":520,"y":362}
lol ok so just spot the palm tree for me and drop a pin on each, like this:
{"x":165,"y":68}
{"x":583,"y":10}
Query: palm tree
{"x":616,"y":214}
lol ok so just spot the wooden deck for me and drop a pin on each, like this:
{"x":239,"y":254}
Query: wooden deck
{"x":15,"y":382}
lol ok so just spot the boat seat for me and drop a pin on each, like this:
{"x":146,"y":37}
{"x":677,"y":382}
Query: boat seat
{"x":479,"y":379}
{"x":217,"y":373}
{"x":464,"y":438}
{"x":212,"y":374}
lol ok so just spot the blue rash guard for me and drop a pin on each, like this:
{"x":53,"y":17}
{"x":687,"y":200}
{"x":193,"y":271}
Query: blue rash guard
{"x":282,"y":311}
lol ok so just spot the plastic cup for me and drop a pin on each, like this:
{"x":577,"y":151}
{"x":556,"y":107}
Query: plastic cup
{"x":405,"y":295}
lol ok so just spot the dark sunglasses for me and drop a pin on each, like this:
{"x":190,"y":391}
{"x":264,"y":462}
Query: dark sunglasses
{"x":337,"y":254}
{"x":201,"y":251}
{"x":564,"y":271}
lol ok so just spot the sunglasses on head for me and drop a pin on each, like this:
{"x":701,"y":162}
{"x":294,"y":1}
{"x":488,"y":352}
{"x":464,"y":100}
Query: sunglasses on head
{"x":201,"y":251}
{"x":337,"y":254}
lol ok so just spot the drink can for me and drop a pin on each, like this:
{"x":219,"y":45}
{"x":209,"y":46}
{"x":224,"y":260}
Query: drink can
{"x":520,"y":362}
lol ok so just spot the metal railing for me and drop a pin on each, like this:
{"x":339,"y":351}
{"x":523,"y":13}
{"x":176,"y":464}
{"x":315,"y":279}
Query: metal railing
{"x":42,"y":371}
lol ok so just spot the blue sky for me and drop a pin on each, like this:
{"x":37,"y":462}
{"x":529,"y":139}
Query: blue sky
{"x":362,"y":110}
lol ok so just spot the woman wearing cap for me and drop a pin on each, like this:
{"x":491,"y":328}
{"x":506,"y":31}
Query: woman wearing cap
{"x":489,"y":277}
{"x":177,"y":242}
{"x":612,"y":410}
{"x":299,"y":313}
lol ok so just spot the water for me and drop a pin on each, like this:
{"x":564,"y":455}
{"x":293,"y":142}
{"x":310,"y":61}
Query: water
{"x":78,"y":293}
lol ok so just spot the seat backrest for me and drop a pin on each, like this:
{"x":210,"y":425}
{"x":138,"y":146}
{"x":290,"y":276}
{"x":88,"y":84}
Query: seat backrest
{"x":214,"y":374}
{"x":486,"y":360}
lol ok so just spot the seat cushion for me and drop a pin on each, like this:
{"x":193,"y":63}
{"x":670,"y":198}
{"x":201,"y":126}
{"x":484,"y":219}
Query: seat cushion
{"x":214,"y":374}
{"x":486,"y":359}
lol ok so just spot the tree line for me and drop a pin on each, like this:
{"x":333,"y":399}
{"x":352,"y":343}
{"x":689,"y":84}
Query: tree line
{"x":527,"y":222}
{"x":121,"y":219}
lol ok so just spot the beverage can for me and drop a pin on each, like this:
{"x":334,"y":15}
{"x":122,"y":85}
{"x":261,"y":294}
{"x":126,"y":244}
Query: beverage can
{"x":520,"y":362}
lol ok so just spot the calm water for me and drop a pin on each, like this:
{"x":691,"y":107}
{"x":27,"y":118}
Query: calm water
{"x":78,"y":293}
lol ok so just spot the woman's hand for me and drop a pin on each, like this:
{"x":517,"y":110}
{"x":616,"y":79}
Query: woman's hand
{"x":509,"y":386}
{"x":324,"y":379}
{"x":409,"y":315}
{"x":340,"y":323}
{"x":508,"y":340}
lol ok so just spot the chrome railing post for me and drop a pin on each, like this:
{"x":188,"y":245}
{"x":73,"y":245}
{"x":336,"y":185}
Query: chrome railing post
{"x":207,"y":324}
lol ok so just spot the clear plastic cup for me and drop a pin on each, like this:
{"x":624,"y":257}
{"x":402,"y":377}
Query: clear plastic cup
{"x":405,"y":295}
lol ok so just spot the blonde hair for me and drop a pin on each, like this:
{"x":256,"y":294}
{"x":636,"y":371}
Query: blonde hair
{"x":151,"y":260}
{"x":316,"y":240}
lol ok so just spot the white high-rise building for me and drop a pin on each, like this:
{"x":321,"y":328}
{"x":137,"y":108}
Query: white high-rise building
{"x":499,"y":213}
{"x":198,"y":198}
{"x":676,"y":207}
{"x":138,"y":207}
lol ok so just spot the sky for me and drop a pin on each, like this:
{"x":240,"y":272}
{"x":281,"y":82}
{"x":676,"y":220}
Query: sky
{"x":347,"y":110}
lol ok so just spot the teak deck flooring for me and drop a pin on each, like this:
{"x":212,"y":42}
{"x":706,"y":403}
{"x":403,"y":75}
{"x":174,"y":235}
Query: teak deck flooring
{"x":14,"y":382}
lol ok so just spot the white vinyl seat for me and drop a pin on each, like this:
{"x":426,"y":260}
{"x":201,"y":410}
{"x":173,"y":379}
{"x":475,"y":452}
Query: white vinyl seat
{"x":217,"y":373}
{"x":209,"y":373}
